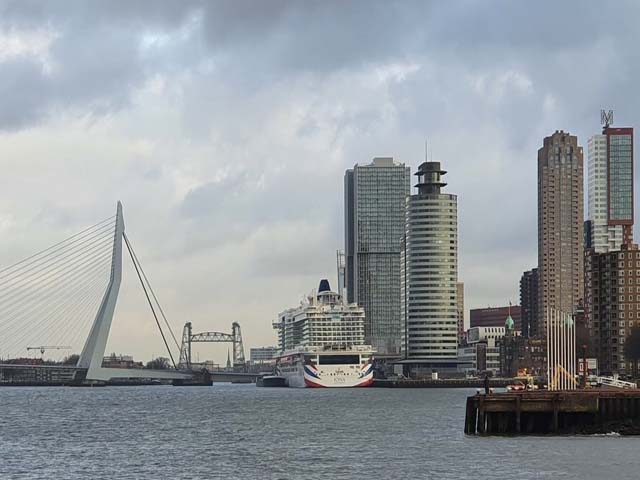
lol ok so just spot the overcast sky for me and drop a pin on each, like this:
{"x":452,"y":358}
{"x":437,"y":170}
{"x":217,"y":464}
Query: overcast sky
{"x":225,"y":128}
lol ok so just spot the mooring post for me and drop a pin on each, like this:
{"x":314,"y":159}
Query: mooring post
{"x":468,"y":427}
{"x":555,"y":414}
{"x":490,"y":422}
{"x":481,"y":419}
{"x":470,"y":419}
{"x":518,"y":407}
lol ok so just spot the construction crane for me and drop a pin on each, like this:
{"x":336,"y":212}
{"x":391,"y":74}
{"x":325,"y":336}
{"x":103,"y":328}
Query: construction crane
{"x":44,"y":348}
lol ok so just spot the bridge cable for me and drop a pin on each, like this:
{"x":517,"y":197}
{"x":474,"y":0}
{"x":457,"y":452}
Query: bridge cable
{"x":149,"y":300}
{"x":34,"y":300}
{"x":152,"y":292}
{"x":55,"y":245}
{"x":69,"y":312}
{"x":53,"y":263}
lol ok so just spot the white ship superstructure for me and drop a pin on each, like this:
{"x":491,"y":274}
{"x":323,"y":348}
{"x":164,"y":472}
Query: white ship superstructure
{"x":322,"y":343}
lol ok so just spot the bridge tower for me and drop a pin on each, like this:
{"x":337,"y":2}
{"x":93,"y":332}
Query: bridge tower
{"x":93,"y":350}
{"x":185,"y":347}
{"x":238,"y":347}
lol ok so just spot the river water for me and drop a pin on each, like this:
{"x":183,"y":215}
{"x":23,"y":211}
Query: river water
{"x":243,"y":432}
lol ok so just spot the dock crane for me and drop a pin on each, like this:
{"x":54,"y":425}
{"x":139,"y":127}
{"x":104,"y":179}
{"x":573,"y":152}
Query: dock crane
{"x":44,"y":348}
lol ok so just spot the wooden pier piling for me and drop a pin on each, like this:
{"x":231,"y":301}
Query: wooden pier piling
{"x":558,"y":412}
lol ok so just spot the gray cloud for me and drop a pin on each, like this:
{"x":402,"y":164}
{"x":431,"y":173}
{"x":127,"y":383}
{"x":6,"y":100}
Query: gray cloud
{"x":225,"y":127}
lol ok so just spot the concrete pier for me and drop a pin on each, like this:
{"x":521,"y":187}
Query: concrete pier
{"x":562,"y":412}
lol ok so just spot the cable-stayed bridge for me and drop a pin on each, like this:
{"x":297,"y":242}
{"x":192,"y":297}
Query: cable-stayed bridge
{"x":62,"y":300}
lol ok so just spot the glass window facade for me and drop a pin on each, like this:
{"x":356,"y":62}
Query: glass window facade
{"x":375,"y":197}
{"x":620,"y":177}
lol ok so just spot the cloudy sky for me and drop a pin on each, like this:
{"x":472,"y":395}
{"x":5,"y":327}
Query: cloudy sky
{"x":225,"y":128}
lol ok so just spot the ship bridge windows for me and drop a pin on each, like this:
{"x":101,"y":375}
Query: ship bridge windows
{"x":339,"y":359}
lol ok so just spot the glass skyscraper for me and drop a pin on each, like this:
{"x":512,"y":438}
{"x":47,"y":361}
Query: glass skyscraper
{"x":610,"y":194}
{"x":375,"y":196}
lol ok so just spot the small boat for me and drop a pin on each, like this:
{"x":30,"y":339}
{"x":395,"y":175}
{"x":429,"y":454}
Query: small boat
{"x":271,"y":381}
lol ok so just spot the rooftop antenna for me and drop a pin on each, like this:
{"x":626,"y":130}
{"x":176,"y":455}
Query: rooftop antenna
{"x":426,"y":149}
{"x":606,"y":118}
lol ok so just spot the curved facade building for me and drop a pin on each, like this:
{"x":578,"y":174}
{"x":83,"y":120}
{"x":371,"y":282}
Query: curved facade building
{"x":430,"y":274}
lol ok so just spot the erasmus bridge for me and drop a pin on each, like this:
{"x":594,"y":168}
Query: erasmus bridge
{"x":62,"y":300}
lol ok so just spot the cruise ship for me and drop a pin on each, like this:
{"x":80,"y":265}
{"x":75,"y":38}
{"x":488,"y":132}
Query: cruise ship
{"x":322,"y":343}
{"x":328,"y":367}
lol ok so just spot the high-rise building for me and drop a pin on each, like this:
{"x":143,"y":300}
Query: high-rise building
{"x":375,"y":197}
{"x":460,"y":295}
{"x":611,"y":260}
{"x":430,"y":274}
{"x":529,"y":302}
{"x":612,"y":285}
{"x":610,"y":190}
{"x":560,"y":225}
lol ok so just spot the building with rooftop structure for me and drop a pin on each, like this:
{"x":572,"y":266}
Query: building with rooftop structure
{"x":430,"y":276}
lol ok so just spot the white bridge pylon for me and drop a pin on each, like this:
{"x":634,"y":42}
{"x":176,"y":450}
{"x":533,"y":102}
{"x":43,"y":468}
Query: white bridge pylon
{"x":93,"y":351}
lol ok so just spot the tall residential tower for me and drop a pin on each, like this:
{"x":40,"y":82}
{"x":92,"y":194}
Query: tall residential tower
{"x":611,"y":260}
{"x":430,"y":274}
{"x":610,"y":194}
{"x":375,"y":196}
{"x":560,"y":225}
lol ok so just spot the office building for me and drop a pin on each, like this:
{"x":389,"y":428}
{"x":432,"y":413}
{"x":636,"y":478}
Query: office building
{"x":430,"y":274}
{"x":529,"y":303}
{"x":560,"y":225}
{"x":481,"y":353}
{"x":262,"y":355}
{"x":375,"y":196}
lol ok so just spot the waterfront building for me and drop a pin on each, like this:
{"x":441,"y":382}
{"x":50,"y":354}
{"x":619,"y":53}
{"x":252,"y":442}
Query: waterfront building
{"x":612,"y":304}
{"x":430,"y":275}
{"x":375,"y":196}
{"x":610,"y":263}
{"x":485,"y":334}
{"x":460,"y":299}
{"x":528,"y":303}
{"x":560,"y":226}
{"x":481,"y":353}
{"x":495,"y":316}
{"x":322,"y":320}
{"x":120,"y":361}
{"x":262,"y":355}
{"x":610,"y":189}
{"x":522,"y":355}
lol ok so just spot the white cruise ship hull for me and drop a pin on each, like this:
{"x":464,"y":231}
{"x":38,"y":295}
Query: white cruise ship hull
{"x":300,"y":372}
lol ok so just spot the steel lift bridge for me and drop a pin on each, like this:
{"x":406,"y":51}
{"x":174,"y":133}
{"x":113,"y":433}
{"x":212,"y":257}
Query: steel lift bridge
{"x":235,"y":337}
{"x":49,"y":298}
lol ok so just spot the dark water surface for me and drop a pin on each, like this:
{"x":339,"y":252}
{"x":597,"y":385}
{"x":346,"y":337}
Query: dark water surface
{"x":244,"y":432}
